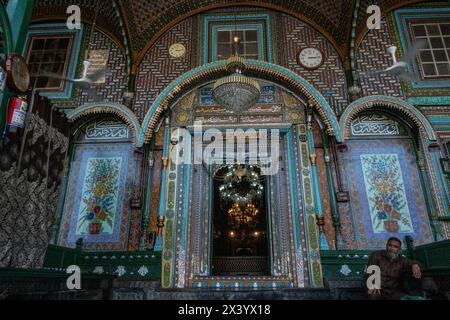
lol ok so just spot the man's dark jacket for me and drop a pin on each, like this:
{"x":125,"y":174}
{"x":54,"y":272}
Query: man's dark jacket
{"x":391,"y":272}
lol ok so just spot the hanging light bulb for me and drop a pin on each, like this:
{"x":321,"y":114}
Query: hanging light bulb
{"x":236,"y":91}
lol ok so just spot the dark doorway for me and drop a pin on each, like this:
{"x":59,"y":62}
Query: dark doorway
{"x":240,"y":233}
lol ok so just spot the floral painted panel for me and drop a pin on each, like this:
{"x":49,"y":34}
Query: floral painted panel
{"x":386,"y":195}
{"x":385,"y":192}
{"x":99,"y":196}
{"x":97,"y":200}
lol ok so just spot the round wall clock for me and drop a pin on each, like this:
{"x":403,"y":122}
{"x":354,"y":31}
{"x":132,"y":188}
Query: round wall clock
{"x":310,"y":58}
{"x":18,"y":75}
{"x":177,"y":50}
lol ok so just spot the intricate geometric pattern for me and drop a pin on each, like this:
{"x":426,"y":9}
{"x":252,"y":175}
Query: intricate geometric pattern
{"x":158,"y":69}
{"x":107,"y":17}
{"x":385,"y":5}
{"x":372,"y":55}
{"x":145,"y":19}
{"x":329,"y":79}
{"x":114,"y":86}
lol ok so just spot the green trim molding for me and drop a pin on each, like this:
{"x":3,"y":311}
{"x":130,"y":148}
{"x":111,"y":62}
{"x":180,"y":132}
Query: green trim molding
{"x":351,"y":264}
{"x":433,"y":255}
{"x":249,"y":21}
{"x":75,"y":54}
{"x":430,"y":101}
{"x":6,"y":30}
{"x":344,"y":264}
{"x":126,"y":265}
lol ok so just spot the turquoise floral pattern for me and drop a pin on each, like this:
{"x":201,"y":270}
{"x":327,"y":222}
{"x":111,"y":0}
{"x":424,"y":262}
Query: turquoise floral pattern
{"x":99,"y":196}
{"x":386,"y":195}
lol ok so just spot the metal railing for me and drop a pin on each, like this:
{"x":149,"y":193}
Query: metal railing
{"x":240,"y":265}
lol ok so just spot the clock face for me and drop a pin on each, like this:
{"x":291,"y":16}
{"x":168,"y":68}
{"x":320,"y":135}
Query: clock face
{"x":177,"y":50}
{"x":18,"y":76}
{"x":310,"y":58}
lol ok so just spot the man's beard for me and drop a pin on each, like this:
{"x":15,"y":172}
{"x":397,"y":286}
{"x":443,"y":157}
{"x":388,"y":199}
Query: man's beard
{"x":392,"y":255}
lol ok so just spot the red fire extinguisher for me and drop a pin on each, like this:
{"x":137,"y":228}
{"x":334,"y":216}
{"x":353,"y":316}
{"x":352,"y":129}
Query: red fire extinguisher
{"x":18,"y":107}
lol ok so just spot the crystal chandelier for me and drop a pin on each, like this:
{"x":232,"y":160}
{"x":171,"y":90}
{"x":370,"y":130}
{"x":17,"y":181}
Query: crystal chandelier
{"x":241,"y":185}
{"x":247,"y":217}
{"x":236,"y":91}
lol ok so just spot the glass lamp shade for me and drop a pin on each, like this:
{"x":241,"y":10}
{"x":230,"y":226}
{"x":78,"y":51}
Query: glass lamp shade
{"x":236,"y":91}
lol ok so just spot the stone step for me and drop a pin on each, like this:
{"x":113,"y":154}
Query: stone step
{"x":96,"y":294}
{"x":144,"y":292}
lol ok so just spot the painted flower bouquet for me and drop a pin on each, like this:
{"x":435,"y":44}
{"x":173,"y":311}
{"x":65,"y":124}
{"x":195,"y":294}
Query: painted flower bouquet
{"x":96,"y":217}
{"x":99,"y":196}
{"x":386,"y":194}
{"x":389,"y":215}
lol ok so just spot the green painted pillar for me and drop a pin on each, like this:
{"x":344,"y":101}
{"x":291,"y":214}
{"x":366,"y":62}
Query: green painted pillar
{"x":162,"y":191}
{"x":6,"y":30}
{"x":316,"y":188}
{"x":18,"y":13}
{"x":146,"y":216}
{"x":331,"y":190}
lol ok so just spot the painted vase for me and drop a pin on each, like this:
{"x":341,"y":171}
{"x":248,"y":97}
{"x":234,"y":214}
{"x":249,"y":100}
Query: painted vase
{"x":391,"y":226}
{"x":95,"y":228}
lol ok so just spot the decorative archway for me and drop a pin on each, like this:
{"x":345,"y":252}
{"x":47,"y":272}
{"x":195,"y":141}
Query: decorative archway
{"x":118,"y":110}
{"x":255,"y":68}
{"x":411,"y":112}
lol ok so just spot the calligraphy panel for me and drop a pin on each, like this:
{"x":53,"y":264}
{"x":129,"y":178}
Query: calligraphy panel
{"x":374,"y":125}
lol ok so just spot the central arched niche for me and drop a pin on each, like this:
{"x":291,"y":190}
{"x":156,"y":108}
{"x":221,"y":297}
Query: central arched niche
{"x":240,"y":229}
{"x":293,"y":250}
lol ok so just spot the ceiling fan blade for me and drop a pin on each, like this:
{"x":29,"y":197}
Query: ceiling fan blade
{"x":97,"y":75}
{"x":82,"y":84}
{"x":395,"y":71}
{"x":413,"y":51}
{"x":52,"y":75}
{"x":405,"y":76}
{"x":86,"y":65}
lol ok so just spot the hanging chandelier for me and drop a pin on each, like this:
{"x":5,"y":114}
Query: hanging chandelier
{"x":246,"y":217}
{"x":241,"y":185}
{"x":236,"y":91}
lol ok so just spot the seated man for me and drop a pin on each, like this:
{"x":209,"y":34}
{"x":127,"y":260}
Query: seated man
{"x":391,"y":264}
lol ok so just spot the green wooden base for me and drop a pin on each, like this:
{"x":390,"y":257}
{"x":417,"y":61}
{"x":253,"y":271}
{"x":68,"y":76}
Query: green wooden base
{"x":126,"y":265}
